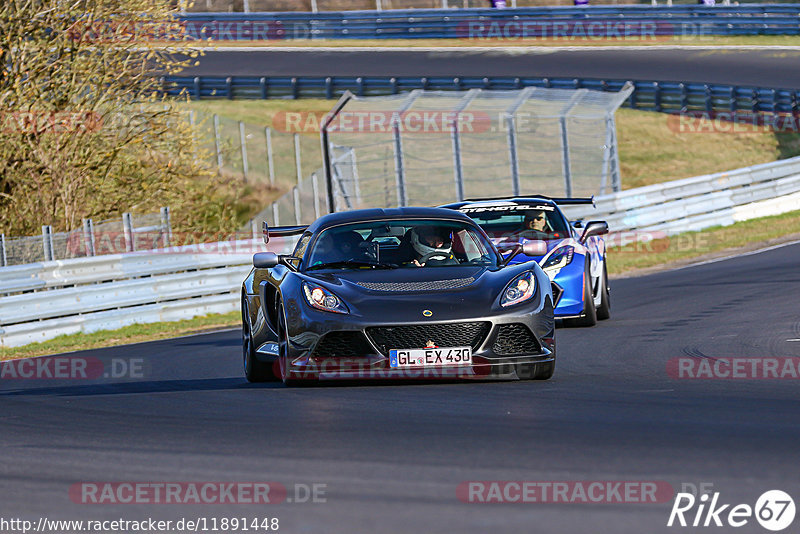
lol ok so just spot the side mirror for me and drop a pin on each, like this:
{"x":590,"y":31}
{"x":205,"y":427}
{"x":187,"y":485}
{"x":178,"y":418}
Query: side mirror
{"x":534,"y":248}
{"x":265,"y":232}
{"x":529,"y":248}
{"x":594,"y":228}
{"x":265,"y":260}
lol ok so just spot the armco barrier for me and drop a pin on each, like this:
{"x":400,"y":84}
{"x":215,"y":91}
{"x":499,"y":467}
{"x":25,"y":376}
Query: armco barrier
{"x":702,"y":201}
{"x":495,"y":24}
{"x":648,"y":95}
{"x":44,"y":300}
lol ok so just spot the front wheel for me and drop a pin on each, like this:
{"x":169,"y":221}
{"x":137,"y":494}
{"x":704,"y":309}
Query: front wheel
{"x":589,"y":317}
{"x":254,"y":370}
{"x":283,"y":351}
{"x":604,"y":310}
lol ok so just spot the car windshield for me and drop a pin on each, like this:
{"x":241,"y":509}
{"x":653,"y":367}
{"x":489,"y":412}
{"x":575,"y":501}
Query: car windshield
{"x":400,"y":244}
{"x":541,"y":222}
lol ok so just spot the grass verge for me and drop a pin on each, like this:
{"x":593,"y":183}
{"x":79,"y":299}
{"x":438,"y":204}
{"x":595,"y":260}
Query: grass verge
{"x":710,"y":243}
{"x":135,"y":333}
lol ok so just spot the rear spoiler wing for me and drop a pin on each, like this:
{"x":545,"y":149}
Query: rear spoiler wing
{"x":280,"y":231}
{"x":563,"y":201}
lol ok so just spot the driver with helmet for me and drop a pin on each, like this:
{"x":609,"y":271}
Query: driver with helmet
{"x":432,"y":245}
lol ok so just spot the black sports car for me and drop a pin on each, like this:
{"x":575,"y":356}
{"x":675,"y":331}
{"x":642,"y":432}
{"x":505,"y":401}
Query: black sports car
{"x":398,"y":293}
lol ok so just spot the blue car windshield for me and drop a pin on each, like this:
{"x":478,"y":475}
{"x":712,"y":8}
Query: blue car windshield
{"x":400,"y":244}
{"x":538,"y":223}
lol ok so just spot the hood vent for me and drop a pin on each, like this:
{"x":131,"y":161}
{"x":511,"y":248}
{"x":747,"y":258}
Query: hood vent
{"x":433,"y":285}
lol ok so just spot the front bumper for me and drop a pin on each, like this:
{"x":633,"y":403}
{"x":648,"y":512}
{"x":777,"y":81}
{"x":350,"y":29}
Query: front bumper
{"x":507,"y":346}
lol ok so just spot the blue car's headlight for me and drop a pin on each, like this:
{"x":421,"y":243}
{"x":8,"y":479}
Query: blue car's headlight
{"x":519,"y":290}
{"x":559,"y":258}
{"x":322,"y":299}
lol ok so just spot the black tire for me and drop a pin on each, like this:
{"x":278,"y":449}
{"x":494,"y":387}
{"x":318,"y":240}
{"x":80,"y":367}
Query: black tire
{"x":254,"y":370}
{"x":589,"y":317}
{"x":283,"y":348}
{"x":604,"y":310}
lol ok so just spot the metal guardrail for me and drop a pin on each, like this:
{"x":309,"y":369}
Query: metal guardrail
{"x":647,"y":95}
{"x":43,"y":300}
{"x":696,"y":203}
{"x":650,"y":21}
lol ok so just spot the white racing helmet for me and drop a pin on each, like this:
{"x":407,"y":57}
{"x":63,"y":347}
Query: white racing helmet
{"x":422,"y":236}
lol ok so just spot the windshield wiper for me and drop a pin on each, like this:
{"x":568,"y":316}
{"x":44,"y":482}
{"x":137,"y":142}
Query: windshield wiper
{"x":353,"y":264}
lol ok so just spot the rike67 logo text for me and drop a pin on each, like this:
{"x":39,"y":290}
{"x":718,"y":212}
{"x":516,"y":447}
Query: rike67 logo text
{"x":774,"y":510}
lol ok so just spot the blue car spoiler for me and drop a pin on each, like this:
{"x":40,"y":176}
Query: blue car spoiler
{"x":564,"y":201}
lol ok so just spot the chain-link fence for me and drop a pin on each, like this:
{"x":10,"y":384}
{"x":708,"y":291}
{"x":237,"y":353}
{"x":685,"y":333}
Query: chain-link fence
{"x":129,"y":233}
{"x":258,"y":154}
{"x":434,"y":147}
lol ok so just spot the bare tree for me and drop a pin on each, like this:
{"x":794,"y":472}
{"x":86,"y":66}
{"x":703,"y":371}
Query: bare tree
{"x":85,"y":129}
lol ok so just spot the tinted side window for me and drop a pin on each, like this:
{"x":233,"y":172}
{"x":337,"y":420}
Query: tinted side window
{"x":302,"y":245}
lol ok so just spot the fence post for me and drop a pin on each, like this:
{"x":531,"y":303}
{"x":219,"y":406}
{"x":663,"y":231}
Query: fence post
{"x":512,"y":154}
{"x":166,"y":226}
{"x":562,"y":126}
{"x":399,"y":172}
{"x":247,"y":6}
{"x":270,"y":157}
{"x":616,"y":178}
{"x":458,"y":171}
{"x":378,"y":5}
{"x":127,"y":230}
{"x":565,"y":163}
{"x":3,"y":256}
{"x":297,"y":162}
{"x":315,"y":192}
{"x":314,"y":8}
{"x":253,"y":229}
{"x":275,"y":219}
{"x":217,"y":142}
{"x":88,"y":237}
{"x":243,"y":146}
{"x":354,"y":163}
{"x":47,"y":242}
{"x":296,"y":197}
{"x":511,"y":126}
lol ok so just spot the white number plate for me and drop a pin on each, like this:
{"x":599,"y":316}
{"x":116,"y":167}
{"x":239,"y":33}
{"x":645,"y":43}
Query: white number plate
{"x":439,"y":357}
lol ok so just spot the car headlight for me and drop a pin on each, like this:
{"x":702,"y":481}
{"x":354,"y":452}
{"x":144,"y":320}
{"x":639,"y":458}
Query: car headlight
{"x":560,"y":258}
{"x":322,"y":299}
{"x":519,"y":290}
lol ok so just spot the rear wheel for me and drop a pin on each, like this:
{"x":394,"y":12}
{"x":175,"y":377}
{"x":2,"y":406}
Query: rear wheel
{"x":604,"y":310}
{"x":589,"y":317}
{"x":254,"y":370}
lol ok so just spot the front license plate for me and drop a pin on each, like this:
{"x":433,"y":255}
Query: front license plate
{"x":430,"y":357}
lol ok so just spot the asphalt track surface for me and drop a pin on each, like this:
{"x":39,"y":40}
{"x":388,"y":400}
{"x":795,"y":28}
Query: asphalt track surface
{"x":393,"y":455}
{"x":771,"y":68}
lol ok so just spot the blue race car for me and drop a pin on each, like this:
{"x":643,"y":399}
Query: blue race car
{"x":575,"y":260}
